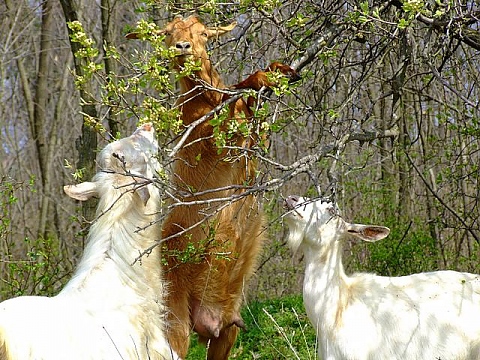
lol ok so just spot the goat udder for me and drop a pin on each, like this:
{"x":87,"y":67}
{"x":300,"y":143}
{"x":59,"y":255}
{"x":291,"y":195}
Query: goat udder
{"x":207,"y":322}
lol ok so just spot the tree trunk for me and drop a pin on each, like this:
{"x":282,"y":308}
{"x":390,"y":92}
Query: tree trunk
{"x":87,"y":143}
{"x":108,"y":18}
{"x":40,"y":123}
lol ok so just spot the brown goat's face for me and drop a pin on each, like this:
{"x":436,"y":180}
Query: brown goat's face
{"x":188,"y":37}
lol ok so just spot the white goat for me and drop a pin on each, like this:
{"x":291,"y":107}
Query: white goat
{"x":112,"y":308}
{"x":426,"y":316}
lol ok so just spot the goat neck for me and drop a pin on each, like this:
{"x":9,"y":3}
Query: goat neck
{"x":325,"y":287}
{"x":195,"y":92}
{"x":118,"y":241}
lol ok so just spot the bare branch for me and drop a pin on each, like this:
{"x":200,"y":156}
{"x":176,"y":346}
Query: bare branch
{"x":444,"y":204}
{"x":324,"y":40}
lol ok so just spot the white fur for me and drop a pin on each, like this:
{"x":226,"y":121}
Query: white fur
{"x":426,"y":316}
{"x":112,"y":308}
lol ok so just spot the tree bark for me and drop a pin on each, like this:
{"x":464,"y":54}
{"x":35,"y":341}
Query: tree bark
{"x":40,"y":123}
{"x":87,"y":143}
{"x":108,"y":18}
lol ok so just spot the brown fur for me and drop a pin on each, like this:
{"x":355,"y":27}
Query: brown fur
{"x":206,"y":289}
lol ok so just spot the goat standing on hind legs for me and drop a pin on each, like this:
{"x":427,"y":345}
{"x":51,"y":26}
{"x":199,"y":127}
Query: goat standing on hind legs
{"x":113,"y":307}
{"x":223,"y":240}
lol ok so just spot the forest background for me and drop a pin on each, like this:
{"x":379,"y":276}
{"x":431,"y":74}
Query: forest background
{"x":385,"y":121}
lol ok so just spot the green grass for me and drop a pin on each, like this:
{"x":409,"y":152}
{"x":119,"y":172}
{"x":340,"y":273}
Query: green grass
{"x":276,"y":329}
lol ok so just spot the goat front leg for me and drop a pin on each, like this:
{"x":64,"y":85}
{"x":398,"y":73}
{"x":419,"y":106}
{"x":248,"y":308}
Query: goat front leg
{"x":260,"y":79}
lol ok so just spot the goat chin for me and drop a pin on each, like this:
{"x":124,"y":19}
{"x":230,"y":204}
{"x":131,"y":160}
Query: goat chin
{"x":364,"y":316}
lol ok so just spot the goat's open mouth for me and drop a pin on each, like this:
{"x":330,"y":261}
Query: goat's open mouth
{"x":291,"y":203}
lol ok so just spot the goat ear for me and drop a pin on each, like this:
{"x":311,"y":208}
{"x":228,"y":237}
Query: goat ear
{"x":370,"y":233}
{"x":82,"y":192}
{"x":144,"y":194}
{"x":221,"y":30}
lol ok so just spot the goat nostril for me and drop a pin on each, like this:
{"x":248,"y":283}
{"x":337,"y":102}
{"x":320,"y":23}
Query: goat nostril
{"x":183,"y":45}
{"x":292,"y":201}
{"x":294,"y":198}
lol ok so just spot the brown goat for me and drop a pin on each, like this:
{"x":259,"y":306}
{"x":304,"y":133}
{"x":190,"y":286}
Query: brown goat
{"x":212,"y":249}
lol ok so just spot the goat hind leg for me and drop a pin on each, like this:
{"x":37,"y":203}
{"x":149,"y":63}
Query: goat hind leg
{"x":219,"y":348}
{"x":178,"y":331}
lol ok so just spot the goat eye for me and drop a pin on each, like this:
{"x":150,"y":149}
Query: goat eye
{"x":332,"y":211}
